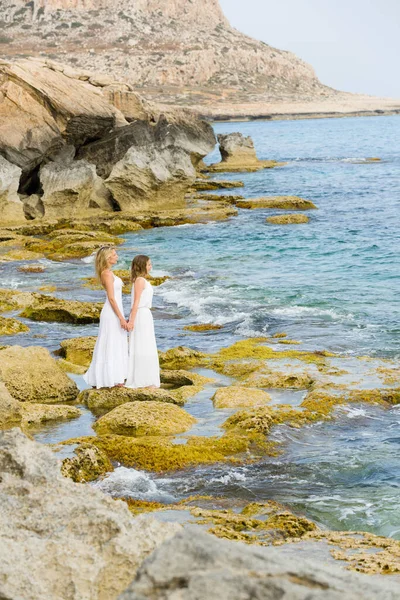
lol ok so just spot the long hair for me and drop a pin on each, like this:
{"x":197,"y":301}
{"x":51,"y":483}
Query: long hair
{"x":139,"y":267}
{"x":101,"y":262}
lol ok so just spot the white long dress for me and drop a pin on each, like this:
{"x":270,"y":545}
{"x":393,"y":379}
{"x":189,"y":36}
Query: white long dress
{"x":144,"y":368}
{"x":109,"y":365}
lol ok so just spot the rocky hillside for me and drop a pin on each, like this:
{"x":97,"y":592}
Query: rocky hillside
{"x":183,"y":49}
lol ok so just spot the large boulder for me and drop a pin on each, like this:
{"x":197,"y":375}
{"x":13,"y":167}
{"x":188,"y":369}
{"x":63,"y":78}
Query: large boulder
{"x":145,"y":418}
{"x":194,"y":564}
{"x":88,"y":464}
{"x":72,"y":189}
{"x":32,"y":375}
{"x":12,"y":326}
{"x":11,"y":207}
{"x":48,"y":308}
{"x":63,"y":540}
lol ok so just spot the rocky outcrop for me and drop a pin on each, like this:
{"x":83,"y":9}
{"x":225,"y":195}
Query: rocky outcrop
{"x":60,"y":138}
{"x":32,"y":375}
{"x":12,"y":326}
{"x":277,"y":202}
{"x":72,"y":189}
{"x":195,"y":565}
{"x":48,"y":308}
{"x":36,"y":414}
{"x":145,"y":419}
{"x":239,"y":155}
{"x":11,"y":207}
{"x":88,"y":464}
{"x":288,"y":219}
{"x":63,"y":540}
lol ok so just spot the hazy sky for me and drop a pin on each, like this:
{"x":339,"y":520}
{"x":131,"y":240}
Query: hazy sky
{"x":354,"y":45}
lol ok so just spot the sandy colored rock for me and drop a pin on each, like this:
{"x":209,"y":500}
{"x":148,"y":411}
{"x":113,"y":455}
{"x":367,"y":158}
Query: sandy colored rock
{"x":194,"y":564}
{"x":88,"y":464}
{"x":10,"y":408}
{"x":32,"y":375}
{"x":35,"y":414}
{"x":271,"y":378}
{"x":11,"y":207}
{"x":239,"y":155}
{"x":201,"y":185}
{"x":280,"y":202}
{"x":288,"y":220}
{"x":71,"y":189}
{"x":13,"y":299}
{"x":109,"y":398}
{"x":235,"y":396}
{"x":12,"y":326}
{"x":63,"y":540}
{"x":145,"y":419}
{"x":33,"y":207}
{"x":180,"y":377}
{"x":181,"y":358}
{"x":78,"y":350}
{"x":47,"y":308}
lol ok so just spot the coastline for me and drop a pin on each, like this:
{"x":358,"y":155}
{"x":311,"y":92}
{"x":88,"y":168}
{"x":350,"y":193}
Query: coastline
{"x":299,"y":116}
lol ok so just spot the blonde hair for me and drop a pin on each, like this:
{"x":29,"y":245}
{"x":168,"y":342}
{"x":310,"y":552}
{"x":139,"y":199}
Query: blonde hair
{"x":102,"y":256}
{"x":139,"y":267}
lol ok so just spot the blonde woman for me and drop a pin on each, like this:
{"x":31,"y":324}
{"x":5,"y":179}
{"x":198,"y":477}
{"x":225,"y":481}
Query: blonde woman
{"x":144,"y":368}
{"x":109,"y":365}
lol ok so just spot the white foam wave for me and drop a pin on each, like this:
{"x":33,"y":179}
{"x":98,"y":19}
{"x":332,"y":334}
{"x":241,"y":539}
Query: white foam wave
{"x":129,"y":483}
{"x":295,"y":311}
{"x":231,"y":477}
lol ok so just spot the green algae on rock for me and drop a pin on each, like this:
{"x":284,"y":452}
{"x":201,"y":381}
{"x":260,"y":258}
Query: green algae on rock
{"x":235,"y":396}
{"x":277,"y":202}
{"x":213,"y":184}
{"x":32,"y":375}
{"x":145,"y":419}
{"x":12,"y":326}
{"x":203,"y":327}
{"x":88,"y":464}
{"x":181,"y":358}
{"x":10,"y":408}
{"x":291,"y":219}
{"x":110,"y":398}
{"x":270,"y":378}
{"x":49,"y":308}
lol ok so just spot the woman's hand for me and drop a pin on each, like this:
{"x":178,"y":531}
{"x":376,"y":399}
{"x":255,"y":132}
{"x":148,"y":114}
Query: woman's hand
{"x":130,"y":326}
{"x":124,"y":324}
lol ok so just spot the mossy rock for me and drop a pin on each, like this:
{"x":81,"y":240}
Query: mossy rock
{"x":245,"y":166}
{"x":13,"y":300}
{"x":179,"y":378}
{"x":35,"y":414}
{"x":88,"y":464}
{"x":110,"y":398}
{"x":159,"y":454}
{"x":12,"y":326}
{"x":32,"y":375}
{"x":291,"y":219}
{"x":280,"y":202}
{"x":65,"y":244}
{"x":203,"y":327}
{"x":48,"y":308}
{"x":235,"y":396}
{"x":32,"y":269}
{"x":261,"y":419}
{"x":78,"y":351}
{"x":69,"y":367}
{"x":10,"y":408}
{"x":181,"y":358}
{"x":268,"y":378}
{"x":145,"y":418}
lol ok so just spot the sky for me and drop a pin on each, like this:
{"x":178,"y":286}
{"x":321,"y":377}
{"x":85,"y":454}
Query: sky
{"x":353,"y":45}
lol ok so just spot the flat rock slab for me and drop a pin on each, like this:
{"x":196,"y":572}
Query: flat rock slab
{"x":236,"y":396}
{"x":288,"y":219}
{"x":280,"y":202}
{"x":109,"y":398}
{"x":194,"y":565}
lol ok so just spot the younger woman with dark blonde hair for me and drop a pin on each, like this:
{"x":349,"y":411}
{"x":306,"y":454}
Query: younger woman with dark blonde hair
{"x":109,"y":366}
{"x":144,"y":368}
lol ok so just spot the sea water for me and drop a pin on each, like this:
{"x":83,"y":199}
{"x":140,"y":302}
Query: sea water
{"x":332,"y":284}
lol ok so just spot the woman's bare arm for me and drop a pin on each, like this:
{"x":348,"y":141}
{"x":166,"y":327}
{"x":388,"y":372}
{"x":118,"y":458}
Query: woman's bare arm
{"x":139,"y":287}
{"x":107,"y":279}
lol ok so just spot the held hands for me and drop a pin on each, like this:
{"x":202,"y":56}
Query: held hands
{"x":130,"y":326}
{"x":124,"y":324}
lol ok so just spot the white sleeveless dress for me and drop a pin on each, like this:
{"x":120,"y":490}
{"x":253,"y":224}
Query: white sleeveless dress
{"x":109,"y":365}
{"x":144,"y":368}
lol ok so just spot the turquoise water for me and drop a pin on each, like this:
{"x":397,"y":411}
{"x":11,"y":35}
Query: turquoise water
{"x":332,"y":284}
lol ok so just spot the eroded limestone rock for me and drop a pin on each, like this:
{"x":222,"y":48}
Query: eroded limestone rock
{"x":235,"y":396}
{"x":88,"y":464}
{"x":288,"y":219}
{"x":32,"y":375}
{"x":11,"y":207}
{"x":239,"y":155}
{"x":280,"y":202}
{"x":109,"y":398}
{"x":62,"y":540}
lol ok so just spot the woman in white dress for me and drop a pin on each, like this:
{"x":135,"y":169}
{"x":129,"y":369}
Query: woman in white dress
{"x":144,"y":368}
{"x":109,"y":366}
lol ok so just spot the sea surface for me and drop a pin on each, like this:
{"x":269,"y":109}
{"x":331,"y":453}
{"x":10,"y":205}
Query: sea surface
{"x":332,"y":284}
